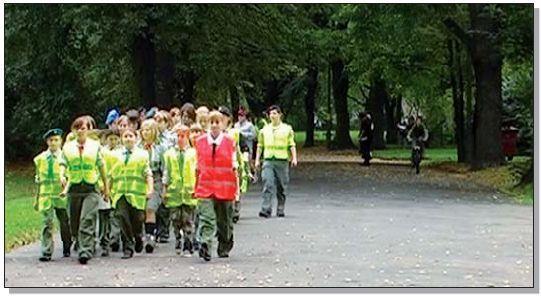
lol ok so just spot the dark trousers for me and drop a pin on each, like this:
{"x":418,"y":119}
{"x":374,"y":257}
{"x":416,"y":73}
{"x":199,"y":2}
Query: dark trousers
{"x":131,"y":223}
{"x":83,"y":205}
{"x":163,"y":222}
{"x":365,"y":150}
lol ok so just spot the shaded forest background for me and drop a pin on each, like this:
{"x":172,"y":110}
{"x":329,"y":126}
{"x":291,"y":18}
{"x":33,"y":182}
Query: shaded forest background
{"x":466,"y":68}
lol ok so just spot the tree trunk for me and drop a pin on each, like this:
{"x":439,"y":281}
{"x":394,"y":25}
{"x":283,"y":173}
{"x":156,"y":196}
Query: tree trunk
{"x":234,"y":96}
{"x":310,"y":104}
{"x":468,"y":125}
{"x":165,"y":79}
{"x":144,"y":58}
{"x":487,"y":64}
{"x":390,"y":116}
{"x":374,"y":105}
{"x":188,"y":80}
{"x":458,"y":100}
{"x":340,"y":90}
{"x":484,"y":46}
{"x":329,"y":111}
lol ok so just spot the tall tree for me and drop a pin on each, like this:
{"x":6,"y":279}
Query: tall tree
{"x":310,"y":104}
{"x":484,"y":46}
{"x":340,"y":81}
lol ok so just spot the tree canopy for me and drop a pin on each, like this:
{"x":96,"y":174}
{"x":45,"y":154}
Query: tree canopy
{"x":394,"y":60}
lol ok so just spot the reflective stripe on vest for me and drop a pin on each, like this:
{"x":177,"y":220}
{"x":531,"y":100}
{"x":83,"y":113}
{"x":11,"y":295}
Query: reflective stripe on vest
{"x":82,"y":167}
{"x":275,"y":141}
{"x":129,"y":179}
{"x":49,"y":185}
{"x":216,"y":177}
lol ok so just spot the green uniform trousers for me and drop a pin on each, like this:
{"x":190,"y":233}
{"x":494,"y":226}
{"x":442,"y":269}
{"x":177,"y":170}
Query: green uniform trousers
{"x":114,"y":237}
{"x":163,"y":222}
{"x":104,"y":228}
{"x":182,"y":219}
{"x":131,"y":223}
{"x":83,"y":204}
{"x":216,"y":219}
{"x":275,"y":175}
{"x":236,"y":209}
{"x":47,"y":243}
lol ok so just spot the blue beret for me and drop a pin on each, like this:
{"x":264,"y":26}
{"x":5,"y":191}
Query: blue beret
{"x":150,"y":113}
{"x":112,"y":116}
{"x":52,"y":132}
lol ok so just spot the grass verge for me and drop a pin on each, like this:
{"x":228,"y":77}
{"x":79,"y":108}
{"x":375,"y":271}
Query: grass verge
{"x":21,"y":223}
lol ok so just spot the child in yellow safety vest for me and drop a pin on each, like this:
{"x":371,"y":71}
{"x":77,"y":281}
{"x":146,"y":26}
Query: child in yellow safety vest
{"x":108,"y":226}
{"x":179,"y":181}
{"x":132,"y":184}
{"x":48,"y":201}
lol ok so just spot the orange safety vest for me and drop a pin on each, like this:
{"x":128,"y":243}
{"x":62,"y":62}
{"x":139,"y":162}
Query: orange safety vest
{"x":215,"y":175}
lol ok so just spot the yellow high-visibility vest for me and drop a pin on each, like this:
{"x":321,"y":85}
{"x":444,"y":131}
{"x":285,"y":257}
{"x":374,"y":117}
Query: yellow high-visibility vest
{"x":181,"y":171}
{"x":129,"y":179}
{"x":276,"y":141}
{"x":82,"y":167}
{"x":48,"y":179}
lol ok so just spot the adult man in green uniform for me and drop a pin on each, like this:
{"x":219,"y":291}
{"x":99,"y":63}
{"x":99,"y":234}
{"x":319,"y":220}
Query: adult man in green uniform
{"x":277,"y":143}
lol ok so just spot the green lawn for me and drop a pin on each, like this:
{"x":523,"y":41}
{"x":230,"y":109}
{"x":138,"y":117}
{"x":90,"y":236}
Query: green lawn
{"x":392,"y":152}
{"x":21,"y":223}
{"x":431,"y":154}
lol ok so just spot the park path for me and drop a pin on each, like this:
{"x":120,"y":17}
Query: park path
{"x":345,"y":226}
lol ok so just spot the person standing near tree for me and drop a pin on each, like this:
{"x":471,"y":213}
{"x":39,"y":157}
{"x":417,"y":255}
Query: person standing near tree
{"x":276,"y":142}
{"x":365,"y":137}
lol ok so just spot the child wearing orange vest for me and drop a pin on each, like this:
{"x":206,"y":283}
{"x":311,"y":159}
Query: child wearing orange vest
{"x":216,"y":187}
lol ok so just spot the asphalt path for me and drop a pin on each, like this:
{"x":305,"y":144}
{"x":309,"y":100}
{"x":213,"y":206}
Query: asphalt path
{"x":345,"y":226}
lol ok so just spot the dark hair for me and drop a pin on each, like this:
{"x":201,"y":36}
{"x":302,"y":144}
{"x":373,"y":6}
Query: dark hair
{"x":80,"y":121}
{"x":188,"y":109}
{"x":129,"y":129}
{"x":244,"y":148}
{"x":274,"y":107}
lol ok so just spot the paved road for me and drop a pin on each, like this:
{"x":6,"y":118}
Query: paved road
{"x":345,"y":225}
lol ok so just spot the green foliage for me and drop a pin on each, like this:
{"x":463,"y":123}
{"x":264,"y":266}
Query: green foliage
{"x":64,"y":60}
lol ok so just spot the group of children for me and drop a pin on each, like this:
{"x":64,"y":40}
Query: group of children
{"x":184,"y":167}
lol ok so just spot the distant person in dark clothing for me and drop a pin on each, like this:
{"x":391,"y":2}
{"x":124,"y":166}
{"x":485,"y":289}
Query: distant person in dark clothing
{"x":365,"y":136}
